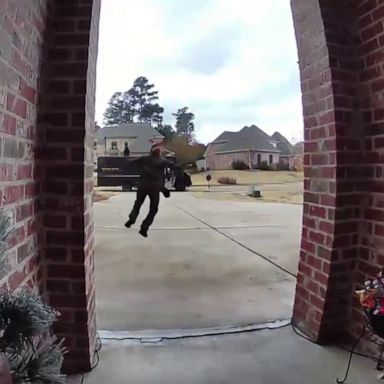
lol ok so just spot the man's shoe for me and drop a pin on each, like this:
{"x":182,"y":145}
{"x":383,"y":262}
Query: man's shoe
{"x":144,"y":232}
{"x":166,"y":193}
{"x":128,"y":224}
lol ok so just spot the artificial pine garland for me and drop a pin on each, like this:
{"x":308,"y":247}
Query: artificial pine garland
{"x":34,"y":356}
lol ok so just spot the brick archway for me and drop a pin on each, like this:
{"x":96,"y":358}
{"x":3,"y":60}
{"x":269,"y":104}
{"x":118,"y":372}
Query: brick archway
{"x":341,"y":62}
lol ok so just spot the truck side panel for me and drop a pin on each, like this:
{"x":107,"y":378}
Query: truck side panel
{"x":117,"y":171}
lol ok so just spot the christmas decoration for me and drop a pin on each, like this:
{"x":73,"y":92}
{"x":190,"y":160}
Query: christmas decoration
{"x":33,"y":354}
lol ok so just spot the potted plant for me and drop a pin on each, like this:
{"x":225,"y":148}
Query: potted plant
{"x":371,"y":299}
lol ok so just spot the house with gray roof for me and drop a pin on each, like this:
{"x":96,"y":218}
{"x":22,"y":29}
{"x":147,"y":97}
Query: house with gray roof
{"x":111,"y":141}
{"x":286,"y":150}
{"x":250,"y":145}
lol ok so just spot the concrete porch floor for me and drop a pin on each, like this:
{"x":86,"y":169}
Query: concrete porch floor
{"x":263,"y":357}
{"x":187,"y":275}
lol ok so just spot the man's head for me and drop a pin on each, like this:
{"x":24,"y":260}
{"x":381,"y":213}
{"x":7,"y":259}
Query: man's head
{"x":156,"y":150}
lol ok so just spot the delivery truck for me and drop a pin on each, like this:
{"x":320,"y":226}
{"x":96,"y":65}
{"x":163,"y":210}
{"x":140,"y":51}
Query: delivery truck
{"x":115,"y":171}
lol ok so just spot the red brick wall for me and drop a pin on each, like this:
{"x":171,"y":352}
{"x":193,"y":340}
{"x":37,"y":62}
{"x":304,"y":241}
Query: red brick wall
{"x":48,"y":55}
{"x":370,"y":22}
{"x":340,"y":46}
{"x":65,"y":167}
{"x":334,"y":179}
{"x":21,"y":41}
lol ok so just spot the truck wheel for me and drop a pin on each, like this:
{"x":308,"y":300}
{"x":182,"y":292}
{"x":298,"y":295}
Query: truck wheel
{"x":127,"y":187}
{"x":180,"y":188}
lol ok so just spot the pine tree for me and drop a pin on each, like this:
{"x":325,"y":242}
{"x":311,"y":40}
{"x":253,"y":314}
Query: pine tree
{"x":34,"y":356}
{"x":184,"y":123}
{"x":119,"y":110}
{"x":166,"y":130}
{"x":144,"y":96}
{"x":138,"y":104}
{"x":152,"y":113}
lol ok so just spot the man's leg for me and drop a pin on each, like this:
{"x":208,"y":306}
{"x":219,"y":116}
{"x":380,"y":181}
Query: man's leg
{"x":154,"y":196}
{"x":140,"y":197}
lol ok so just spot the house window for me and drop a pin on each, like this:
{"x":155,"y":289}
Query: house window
{"x":114,"y":146}
{"x":95,"y":144}
{"x":258,"y":158}
{"x":270,"y":159}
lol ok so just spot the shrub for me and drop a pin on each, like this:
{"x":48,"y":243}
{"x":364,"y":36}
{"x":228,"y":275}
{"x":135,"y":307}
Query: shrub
{"x":239,"y":165}
{"x":227,"y":180}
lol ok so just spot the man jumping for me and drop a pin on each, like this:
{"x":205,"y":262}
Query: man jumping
{"x":151,"y":184}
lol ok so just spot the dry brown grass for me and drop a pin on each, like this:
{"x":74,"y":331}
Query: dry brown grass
{"x":275,"y":186}
{"x":103,"y":195}
{"x":249,"y":177}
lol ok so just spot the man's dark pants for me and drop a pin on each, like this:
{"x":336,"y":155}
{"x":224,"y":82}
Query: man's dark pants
{"x":154,"y":197}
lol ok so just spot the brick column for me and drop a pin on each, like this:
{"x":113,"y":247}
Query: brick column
{"x":370,"y":37}
{"x":66,"y":123}
{"x":334,"y":178}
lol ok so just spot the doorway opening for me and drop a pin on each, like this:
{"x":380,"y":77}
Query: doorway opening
{"x":217,"y":257}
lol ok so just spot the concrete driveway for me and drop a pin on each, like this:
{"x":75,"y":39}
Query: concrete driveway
{"x":205,"y":264}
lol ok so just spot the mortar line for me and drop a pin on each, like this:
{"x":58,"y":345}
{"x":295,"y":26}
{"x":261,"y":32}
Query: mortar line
{"x":239,"y":243}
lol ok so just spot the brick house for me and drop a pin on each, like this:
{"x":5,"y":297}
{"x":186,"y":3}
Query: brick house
{"x":47,"y":97}
{"x":286,"y":150}
{"x":251,"y":145}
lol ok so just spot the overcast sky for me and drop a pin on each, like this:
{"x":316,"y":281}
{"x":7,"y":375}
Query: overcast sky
{"x":233,"y":62}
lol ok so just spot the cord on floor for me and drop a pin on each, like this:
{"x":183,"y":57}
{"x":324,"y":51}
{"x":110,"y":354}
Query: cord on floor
{"x":351,"y":351}
{"x":344,"y":348}
{"x":96,"y":356}
{"x":338,"y":381}
{"x":295,"y":330}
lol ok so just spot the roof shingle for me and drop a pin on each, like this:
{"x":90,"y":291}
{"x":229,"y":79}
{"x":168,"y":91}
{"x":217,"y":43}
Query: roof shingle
{"x":285,"y":147}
